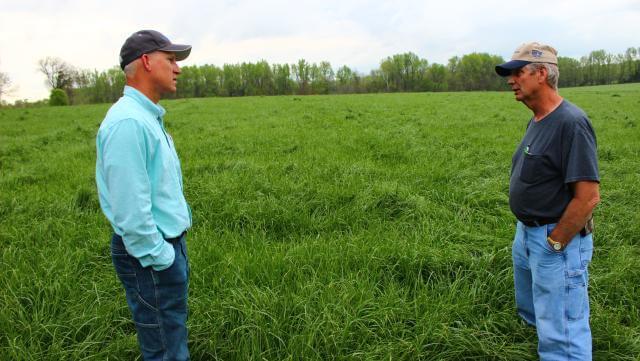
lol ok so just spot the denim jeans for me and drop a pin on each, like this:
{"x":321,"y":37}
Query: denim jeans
{"x":551,"y":291}
{"x":157,"y":301}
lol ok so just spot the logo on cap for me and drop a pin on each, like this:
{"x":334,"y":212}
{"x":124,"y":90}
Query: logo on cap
{"x":536,"y":53}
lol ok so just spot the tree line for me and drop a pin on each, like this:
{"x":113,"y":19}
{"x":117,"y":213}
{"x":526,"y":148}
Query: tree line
{"x":405,"y":72}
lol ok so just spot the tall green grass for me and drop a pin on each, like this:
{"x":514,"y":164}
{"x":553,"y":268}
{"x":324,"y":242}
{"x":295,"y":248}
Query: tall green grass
{"x":359,"y":227}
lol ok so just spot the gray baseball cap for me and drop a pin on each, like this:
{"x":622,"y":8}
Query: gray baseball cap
{"x":147,"y":41}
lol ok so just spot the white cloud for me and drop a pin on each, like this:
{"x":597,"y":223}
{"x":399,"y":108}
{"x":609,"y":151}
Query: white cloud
{"x":358,"y":33}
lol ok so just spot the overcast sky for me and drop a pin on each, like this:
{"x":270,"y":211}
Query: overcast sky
{"x":89,"y":33}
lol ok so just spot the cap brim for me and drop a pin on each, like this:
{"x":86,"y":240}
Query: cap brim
{"x":506,"y":68}
{"x":181,"y":51}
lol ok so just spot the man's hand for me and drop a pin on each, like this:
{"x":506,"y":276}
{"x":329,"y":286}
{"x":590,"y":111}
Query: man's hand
{"x":586,"y":195}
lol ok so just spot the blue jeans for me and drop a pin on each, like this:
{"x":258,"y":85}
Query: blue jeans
{"x":157,"y":301}
{"x":551,"y":291}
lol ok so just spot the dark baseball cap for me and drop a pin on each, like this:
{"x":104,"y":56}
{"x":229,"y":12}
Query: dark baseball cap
{"x":147,"y":41}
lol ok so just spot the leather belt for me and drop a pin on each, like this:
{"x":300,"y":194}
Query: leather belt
{"x":539,"y":222}
{"x":544,"y":221}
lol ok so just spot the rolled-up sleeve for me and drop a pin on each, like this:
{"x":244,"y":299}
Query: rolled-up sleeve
{"x":124,"y":160}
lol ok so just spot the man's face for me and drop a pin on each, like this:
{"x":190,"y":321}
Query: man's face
{"x":525,"y":82}
{"x":164,"y":71}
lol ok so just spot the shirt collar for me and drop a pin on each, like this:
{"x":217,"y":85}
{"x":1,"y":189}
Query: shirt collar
{"x":155,"y":109}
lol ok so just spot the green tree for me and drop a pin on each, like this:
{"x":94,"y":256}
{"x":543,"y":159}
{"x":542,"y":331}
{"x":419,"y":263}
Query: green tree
{"x":595,"y":65}
{"x":476,"y":71}
{"x":212,"y":80}
{"x":630,"y":66}
{"x":453,"y":69}
{"x":570,"y":72}
{"x":59,"y":74}
{"x":374,"y":82}
{"x":232,"y":80}
{"x":257,"y":79}
{"x":58,"y":97}
{"x":302,"y":71}
{"x":436,"y":78}
{"x":403,"y":72}
{"x":283,"y":82}
{"x":191,"y":83}
{"x":98,"y":87}
{"x":345,"y":80}
{"x":322,"y":78}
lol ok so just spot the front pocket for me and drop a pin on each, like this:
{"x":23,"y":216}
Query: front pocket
{"x":176,"y":274}
{"x":535,"y":169}
{"x":547,"y":247}
{"x":122,"y":264}
{"x":586,"y":250}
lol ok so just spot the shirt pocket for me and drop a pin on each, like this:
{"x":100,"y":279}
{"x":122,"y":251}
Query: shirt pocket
{"x":535,"y":169}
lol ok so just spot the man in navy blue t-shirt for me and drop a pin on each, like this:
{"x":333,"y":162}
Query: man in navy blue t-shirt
{"x":553,"y":190}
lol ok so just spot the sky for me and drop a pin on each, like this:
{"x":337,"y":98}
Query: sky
{"x":88,"y":34}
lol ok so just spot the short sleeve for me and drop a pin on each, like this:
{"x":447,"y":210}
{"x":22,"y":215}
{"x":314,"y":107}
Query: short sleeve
{"x":580,"y":153}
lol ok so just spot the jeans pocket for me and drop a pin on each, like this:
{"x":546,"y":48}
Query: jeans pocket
{"x":549,"y":228}
{"x":125,"y":270}
{"x":176,"y":274}
{"x":149,"y":337}
{"x":146,"y":318}
{"x":122,"y":261}
{"x":576,"y":294}
{"x":586,"y":249}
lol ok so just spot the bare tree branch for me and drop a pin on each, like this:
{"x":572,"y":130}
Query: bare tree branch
{"x":59,"y":73}
{"x":5,"y":85}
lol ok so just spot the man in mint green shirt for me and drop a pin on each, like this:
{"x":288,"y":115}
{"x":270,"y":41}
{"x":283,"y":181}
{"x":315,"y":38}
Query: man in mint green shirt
{"x":140,"y":189}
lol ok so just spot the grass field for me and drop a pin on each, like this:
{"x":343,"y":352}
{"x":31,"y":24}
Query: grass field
{"x":354,"y":227}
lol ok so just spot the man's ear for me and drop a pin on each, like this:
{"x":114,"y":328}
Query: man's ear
{"x":144,"y":59}
{"x":542,"y":75}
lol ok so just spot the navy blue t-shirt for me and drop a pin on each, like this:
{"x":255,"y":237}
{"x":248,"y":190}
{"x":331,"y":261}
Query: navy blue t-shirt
{"x":555,"y":151}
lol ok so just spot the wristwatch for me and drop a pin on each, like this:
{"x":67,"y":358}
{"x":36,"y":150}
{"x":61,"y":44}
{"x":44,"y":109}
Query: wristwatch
{"x":556,"y":245}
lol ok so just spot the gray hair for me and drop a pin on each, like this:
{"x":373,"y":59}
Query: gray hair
{"x":130,"y":69}
{"x":553,"y":73}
